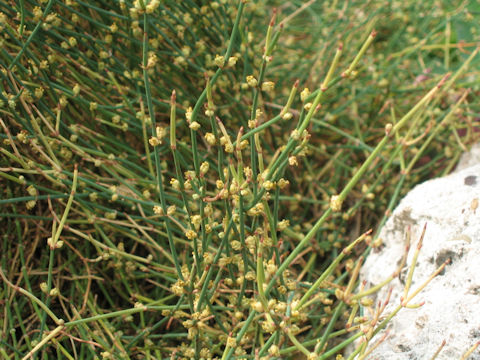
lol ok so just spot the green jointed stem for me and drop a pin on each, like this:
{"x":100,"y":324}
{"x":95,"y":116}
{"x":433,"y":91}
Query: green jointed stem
{"x":360,"y":54}
{"x":231,"y":43}
{"x":301,"y":245}
{"x":32,"y":35}
{"x":42,"y":342}
{"x":331,"y":324}
{"x":33,"y":298}
{"x":329,"y":270}
{"x":323,"y":88}
{"x":156,"y":151}
{"x":57,"y":233}
{"x":297,"y":343}
{"x":83,"y":98}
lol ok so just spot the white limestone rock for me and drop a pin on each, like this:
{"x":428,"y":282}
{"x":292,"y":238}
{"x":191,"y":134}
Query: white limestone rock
{"x":452,"y":300}
{"x":470,"y":158}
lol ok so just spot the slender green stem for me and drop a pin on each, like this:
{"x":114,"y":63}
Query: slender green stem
{"x":151,"y":112}
{"x":32,"y":35}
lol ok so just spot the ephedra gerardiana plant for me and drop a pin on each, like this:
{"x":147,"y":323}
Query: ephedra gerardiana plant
{"x":204,"y":179}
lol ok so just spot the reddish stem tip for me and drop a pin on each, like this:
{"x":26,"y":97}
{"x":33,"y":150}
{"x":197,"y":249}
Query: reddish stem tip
{"x":444,"y":79}
{"x":274,"y":16}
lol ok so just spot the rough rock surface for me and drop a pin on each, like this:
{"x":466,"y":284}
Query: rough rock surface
{"x":470,"y":158}
{"x":450,"y":208}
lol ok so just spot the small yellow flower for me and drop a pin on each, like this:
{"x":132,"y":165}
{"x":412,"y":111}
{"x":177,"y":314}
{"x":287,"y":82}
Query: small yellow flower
{"x":304,"y":94}
{"x":31,"y":190}
{"x":231,"y":342}
{"x":154,"y":141}
{"x":229,"y":148}
{"x":188,"y":113}
{"x":292,"y":161}
{"x":204,"y":167}
{"x":72,"y":41}
{"x":268,"y":185}
{"x":39,"y":92}
{"x":76,"y":89}
{"x":251,"y":81}
{"x":54,"y":292}
{"x":243,"y":144}
{"x":257,"y":306}
{"x":210,"y":138}
{"x":219,"y":60}
{"x":175,"y":184}
{"x":194,"y":126}
{"x":190,"y":234}
{"x":232,"y":60}
{"x":30,"y":204}
{"x":171,"y":210}
{"x":268,"y":86}
{"x":282,"y":225}
{"x":388,"y":128}
{"x":196,"y":221}
{"x":336,"y":203}
{"x":44,"y":287}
